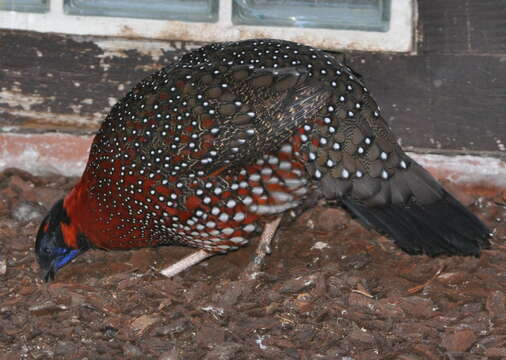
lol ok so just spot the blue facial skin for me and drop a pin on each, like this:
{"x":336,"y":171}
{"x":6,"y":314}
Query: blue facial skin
{"x":64,"y":255}
{"x":51,"y":250}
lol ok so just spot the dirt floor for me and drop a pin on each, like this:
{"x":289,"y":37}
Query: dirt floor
{"x":331,"y":290}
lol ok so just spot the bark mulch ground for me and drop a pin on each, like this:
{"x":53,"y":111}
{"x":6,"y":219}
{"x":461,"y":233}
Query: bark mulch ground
{"x":330,"y":290}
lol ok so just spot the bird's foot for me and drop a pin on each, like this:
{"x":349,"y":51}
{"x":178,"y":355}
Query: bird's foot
{"x":263,"y":249}
{"x":185,"y":263}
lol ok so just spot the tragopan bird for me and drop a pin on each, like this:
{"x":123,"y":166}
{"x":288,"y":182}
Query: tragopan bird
{"x":211,"y":149}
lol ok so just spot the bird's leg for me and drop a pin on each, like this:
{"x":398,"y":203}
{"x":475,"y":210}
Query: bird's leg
{"x":185,"y":263}
{"x":264,"y":248}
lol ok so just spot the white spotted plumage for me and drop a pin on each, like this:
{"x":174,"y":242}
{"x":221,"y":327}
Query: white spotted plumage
{"x":190,"y":157}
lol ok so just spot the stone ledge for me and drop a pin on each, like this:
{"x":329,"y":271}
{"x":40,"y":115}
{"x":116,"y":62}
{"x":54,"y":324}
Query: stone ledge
{"x":42,"y":154}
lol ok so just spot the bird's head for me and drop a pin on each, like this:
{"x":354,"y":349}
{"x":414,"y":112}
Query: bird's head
{"x":57,"y":241}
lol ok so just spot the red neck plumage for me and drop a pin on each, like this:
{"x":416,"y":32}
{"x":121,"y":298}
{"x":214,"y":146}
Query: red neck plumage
{"x":83,"y":216}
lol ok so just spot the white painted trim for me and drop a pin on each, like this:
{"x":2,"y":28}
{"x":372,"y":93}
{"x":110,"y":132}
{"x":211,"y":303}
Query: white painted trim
{"x":400,"y":37}
{"x":465,"y":169}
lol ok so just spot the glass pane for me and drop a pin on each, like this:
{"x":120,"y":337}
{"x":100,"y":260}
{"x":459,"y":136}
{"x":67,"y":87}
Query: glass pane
{"x":372,"y":15}
{"x":183,"y":10}
{"x":25,"y":5}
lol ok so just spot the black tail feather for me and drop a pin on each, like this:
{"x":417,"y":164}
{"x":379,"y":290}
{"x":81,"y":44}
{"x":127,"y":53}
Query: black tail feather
{"x":442,"y":227}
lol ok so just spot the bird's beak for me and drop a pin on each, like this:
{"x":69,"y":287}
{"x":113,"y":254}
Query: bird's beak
{"x":49,"y":273}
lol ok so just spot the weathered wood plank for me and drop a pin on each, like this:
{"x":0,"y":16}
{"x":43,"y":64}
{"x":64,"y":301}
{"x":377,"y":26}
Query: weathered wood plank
{"x":65,"y":82}
{"x":437,"y":101}
{"x":447,"y":102}
{"x":463,"y":26}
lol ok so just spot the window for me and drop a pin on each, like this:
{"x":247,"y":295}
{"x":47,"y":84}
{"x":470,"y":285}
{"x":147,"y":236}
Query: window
{"x":36,"y":6}
{"x":372,"y":15}
{"x":371,"y":25}
{"x":182,"y":10}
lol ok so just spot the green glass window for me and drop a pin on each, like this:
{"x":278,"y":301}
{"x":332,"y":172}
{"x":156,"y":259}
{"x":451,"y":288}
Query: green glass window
{"x":370,"y":15}
{"x":183,"y":10}
{"x":38,"y":6}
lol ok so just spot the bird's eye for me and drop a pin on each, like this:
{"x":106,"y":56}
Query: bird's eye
{"x":47,"y":250}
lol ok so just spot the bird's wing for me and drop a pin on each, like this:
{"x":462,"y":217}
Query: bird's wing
{"x":267,"y":106}
{"x":235,"y":113}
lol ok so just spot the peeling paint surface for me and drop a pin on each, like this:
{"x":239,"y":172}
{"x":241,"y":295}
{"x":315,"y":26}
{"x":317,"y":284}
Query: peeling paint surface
{"x":117,"y":47}
{"x":57,"y":82}
{"x":17,"y":100}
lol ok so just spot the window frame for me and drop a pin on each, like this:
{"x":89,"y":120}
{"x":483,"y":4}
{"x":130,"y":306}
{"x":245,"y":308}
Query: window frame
{"x":399,"y":38}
